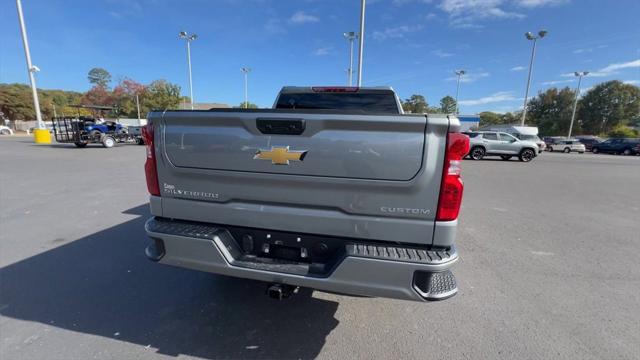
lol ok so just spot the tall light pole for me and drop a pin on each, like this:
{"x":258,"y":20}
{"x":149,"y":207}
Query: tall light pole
{"x":246,"y":71}
{"x":534,"y":38}
{"x":361,"y":42}
{"x":459,"y":73}
{"x":32,"y":70}
{"x":350,"y":36}
{"x":189,"y":38}
{"x":575,"y":103}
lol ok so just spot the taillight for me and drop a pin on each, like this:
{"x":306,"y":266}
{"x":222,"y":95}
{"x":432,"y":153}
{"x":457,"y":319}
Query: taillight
{"x":150,"y":169}
{"x":335,"y":89}
{"x":452,"y":187}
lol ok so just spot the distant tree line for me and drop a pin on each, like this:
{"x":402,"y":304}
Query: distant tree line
{"x":610,"y":108}
{"x":17,"y":104}
{"x":417,"y":104}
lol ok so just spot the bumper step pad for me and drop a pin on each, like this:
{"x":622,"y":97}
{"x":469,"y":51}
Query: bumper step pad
{"x":436,"y":285}
{"x":401,"y":253}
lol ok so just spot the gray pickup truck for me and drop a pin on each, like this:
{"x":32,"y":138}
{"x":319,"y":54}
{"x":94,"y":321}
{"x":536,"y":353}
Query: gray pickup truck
{"x":333,"y":189}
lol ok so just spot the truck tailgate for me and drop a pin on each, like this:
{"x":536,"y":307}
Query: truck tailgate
{"x":358,"y":147}
{"x":348,"y":175}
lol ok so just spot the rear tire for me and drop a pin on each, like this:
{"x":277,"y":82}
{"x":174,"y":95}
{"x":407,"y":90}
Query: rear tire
{"x":627,"y":152}
{"x":527,"y":155}
{"x":566,"y":150}
{"x":550,"y":149}
{"x":505,"y":157}
{"x":595,"y":150}
{"x":108,"y":142}
{"x":5,"y":132}
{"x":477,"y":153}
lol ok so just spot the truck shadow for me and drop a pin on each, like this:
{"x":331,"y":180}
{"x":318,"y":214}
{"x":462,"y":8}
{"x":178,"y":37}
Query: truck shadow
{"x":103,"y":285}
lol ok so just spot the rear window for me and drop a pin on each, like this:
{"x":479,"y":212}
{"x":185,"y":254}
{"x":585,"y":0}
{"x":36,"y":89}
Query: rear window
{"x":378,"y":102}
{"x":490,"y":136}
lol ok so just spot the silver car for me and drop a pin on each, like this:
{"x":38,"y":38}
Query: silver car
{"x":567,"y":146}
{"x":492,"y":143}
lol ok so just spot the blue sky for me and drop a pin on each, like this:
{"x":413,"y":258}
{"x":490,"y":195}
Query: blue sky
{"x":412,"y":45}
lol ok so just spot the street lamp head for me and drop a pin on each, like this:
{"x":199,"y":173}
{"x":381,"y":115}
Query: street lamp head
{"x":577,"y":74}
{"x":245,"y":70}
{"x":351,"y":35}
{"x":542,"y":33}
{"x":193,"y":37}
{"x":529,"y":35}
{"x":460,"y":72}
{"x":182,"y":35}
{"x":585,"y":73}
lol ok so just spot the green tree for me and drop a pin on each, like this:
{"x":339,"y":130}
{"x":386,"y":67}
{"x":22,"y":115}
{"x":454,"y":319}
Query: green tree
{"x":100,"y":77}
{"x":416,"y":104}
{"x":162,"y":95}
{"x":490,"y":118}
{"x":551,"y":111}
{"x":448,"y":105}
{"x":622,"y":131}
{"x":249,"y":105}
{"x":609,"y":104}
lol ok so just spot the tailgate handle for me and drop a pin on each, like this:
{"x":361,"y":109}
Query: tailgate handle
{"x":280,"y":126}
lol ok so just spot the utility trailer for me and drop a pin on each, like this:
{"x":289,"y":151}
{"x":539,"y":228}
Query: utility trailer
{"x":84,"y":130}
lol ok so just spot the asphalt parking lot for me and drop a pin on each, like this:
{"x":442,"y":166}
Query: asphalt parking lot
{"x":549,"y":269}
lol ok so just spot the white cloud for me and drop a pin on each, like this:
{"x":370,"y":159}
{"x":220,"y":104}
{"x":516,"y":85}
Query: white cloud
{"x":395,"y":32}
{"x":518,"y":68}
{"x":556,"y":82}
{"x":540,"y":3}
{"x":501,"y":96}
{"x":301,"y":17}
{"x":610,"y":69}
{"x":441,"y":53}
{"x":464,"y":13}
{"x":632,"y":82}
{"x":323,"y":51}
{"x":469,"y":77}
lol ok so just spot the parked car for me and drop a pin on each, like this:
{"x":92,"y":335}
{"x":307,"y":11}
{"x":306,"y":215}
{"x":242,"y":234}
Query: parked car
{"x":5,"y":130}
{"x":525,"y":133}
{"x":589,"y":142}
{"x":567,"y":146}
{"x":491,"y":143}
{"x":637,"y":149}
{"x":550,"y":140}
{"x":626,"y":146}
{"x":271,"y":194}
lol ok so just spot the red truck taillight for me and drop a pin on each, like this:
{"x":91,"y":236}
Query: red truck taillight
{"x":452,"y":187}
{"x":150,"y":169}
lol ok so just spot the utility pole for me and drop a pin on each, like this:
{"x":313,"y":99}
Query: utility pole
{"x":350,"y":36}
{"x":575,"y":103}
{"x":459,"y":73}
{"x":40,"y":137}
{"x":189,"y":38}
{"x":138,"y":106}
{"x":530,"y":36}
{"x":361,"y":42}
{"x":55,"y":114}
{"x":246,"y":71}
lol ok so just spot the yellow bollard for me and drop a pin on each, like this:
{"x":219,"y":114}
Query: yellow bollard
{"x":42,"y":136}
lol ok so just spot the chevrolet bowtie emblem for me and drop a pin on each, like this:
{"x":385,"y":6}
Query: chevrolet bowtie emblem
{"x":280,"y":155}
